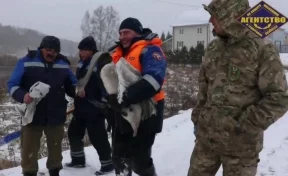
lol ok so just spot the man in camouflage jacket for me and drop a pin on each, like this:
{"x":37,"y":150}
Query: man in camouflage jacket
{"x":242,"y":91}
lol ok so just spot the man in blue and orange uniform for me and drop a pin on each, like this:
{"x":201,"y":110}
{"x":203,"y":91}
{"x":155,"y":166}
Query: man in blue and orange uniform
{"x":143,"y":51}
{"x":47,"y":66}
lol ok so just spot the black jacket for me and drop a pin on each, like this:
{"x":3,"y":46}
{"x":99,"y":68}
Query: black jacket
{"x":93,"y":103}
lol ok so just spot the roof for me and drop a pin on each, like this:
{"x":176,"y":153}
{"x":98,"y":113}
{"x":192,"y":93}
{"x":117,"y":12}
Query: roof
{"x":190,"y":24}
{"x":197,"y":16}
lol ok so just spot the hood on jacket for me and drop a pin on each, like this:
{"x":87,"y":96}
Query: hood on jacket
{"x":226,"y":13}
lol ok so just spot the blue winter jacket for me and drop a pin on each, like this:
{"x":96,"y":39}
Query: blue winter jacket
{"x":51,"y":110}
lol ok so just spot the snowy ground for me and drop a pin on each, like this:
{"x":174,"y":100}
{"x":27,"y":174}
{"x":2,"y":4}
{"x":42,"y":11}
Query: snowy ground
{"x":174,"y":145}
{"x":284,"y":58}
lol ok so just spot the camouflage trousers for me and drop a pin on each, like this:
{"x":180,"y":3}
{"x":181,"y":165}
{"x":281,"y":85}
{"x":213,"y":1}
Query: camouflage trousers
{"x":206,"y":162}
{"x":30,"y":146}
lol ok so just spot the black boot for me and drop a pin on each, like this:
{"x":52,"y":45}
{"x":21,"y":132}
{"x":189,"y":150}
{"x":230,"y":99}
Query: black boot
{"x":108,"y":168}
{"x":122,"y":166}
{"x":30,"y":174}
{"x":77,"y":162}
{"x":75,"y":165}
{"x":54,"y":172}
{"x":149,"y":172}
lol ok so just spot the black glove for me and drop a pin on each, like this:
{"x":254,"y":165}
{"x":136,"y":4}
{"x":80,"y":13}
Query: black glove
{"x":141,"y":90}
{"x":113,"y":103}
{"x":115,"y":106}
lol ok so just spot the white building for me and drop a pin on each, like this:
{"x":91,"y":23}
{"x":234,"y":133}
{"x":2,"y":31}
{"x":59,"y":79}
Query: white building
{"x":286,"y":38}
{"x":192,"y":27}
{"x":278,"y":37}
{"x":191,"y":35}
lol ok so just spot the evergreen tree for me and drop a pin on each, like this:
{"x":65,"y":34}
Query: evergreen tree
{"x":168,"y":36}
{"x":163,"y":37}
{"x":200,"y":52}
{"x":192,"y":55}
{"x":183,"y":55}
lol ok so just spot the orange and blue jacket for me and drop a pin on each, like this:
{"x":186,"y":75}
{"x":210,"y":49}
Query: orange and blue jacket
{"x":148,"y":58}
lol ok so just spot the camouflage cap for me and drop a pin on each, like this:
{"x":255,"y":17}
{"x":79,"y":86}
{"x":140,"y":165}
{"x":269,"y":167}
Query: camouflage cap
{"x":222,"y":9}
{"x":227,"y":11}
{"x":207,"y":9}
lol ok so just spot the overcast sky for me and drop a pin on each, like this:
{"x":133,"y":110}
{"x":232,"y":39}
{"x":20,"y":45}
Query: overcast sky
{"x":63,"y":17}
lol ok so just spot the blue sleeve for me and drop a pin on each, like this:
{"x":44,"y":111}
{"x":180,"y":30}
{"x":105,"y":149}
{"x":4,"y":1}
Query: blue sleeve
{"x":14,"y":82}
{"x":72,"y":77}
{"x":70,"y":84}
{"x":154,"y":66}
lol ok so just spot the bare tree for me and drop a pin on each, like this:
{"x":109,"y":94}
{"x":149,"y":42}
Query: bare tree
{"x":103,"y":26}
{"x":85,"y":25}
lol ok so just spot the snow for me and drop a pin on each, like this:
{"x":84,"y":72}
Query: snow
{"x":173,"y":147}
{"x":284,"y":58}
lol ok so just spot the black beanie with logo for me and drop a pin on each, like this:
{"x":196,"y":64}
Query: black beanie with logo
{"x":133,"y":24}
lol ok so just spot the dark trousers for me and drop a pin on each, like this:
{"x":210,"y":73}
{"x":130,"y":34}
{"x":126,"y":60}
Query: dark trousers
{"x":98,"y":137}
{"x":30,"y":145}
{"x":135,"y":152}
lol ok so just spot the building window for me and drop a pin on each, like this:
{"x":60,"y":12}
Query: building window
{"x":181,"y":31}
{"x":202,"y":42}
{"x":199,"y":30}
{"x":180,"y":44}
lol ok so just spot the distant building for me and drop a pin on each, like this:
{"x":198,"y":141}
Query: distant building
{"x":278,"y":37}
{"x":286,"y":37}
{"x":191,"y":35}
{"x":192,"y":27}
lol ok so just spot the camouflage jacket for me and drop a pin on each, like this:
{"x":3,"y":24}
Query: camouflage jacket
{"x":242,"y":91}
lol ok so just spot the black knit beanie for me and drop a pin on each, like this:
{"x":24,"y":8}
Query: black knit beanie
{"x":133,"y":24}
{"x":88,"y":43}
{"x":50,"y":42}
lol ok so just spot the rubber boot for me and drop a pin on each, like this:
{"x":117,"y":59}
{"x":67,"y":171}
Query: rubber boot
{"x":105,"y":169}
{"x":149,"y":172}
{"x":29,"y":174}
{"x":54,"y":172}
{"x":77,"y":162}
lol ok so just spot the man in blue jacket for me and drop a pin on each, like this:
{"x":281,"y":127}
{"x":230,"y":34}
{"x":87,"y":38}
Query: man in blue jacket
{"x":48,"y":66}
{"x":90,"y":113}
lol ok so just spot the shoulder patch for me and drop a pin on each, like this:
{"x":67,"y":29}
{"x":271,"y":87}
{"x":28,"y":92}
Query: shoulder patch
{"x":157,"y":55}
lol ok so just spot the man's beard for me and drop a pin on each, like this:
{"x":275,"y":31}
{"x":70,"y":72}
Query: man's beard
{"x":223,"y":36}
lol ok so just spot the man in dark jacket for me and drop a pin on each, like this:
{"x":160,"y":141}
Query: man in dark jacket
{"x":47,"y":66}
{"x":142,"y":51}
{"x":90,"y":112}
